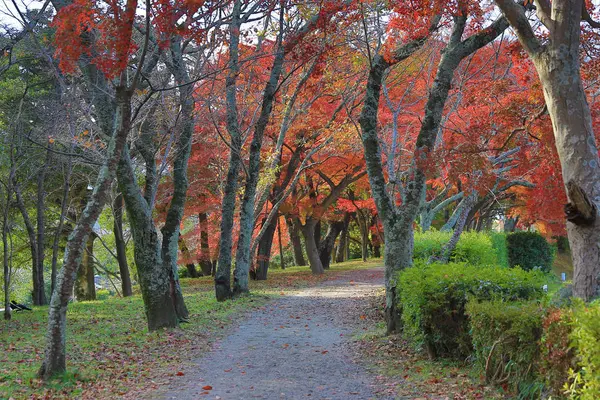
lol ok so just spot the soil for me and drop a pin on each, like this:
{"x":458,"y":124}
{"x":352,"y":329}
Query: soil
{"x":299,"y":346}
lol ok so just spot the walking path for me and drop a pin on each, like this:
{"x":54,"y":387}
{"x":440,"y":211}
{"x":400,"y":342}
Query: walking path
{"x":296,"y":347}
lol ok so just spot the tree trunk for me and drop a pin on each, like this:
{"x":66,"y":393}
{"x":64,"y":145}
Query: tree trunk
{"x":154,"y":279}
{"x":312,"y":248}
{"x":294,"y":231}
{"x":364,"y":235}
{"x":41,"y":224}
{"x":205,"y":262}
{"x":341,"y":253}
{"x":189,"y":265}
{"x":223,"y":273}
{"x":578,"y":153}
{"x":281,"y":255}
{"x":171,"y":229}
{"x":5,"y":247}
{"x":263,"y":256}
{"x":242,"y":257}
{"x":557,"y":64}
{"x":510,"y":224}
{"x":61,"y":220}
{"x":120,"y":245}
{"x":85,"y":288}
{"x":398,"y":252}
{"x":398,"y":222}
{"x":55,"y":355}
{"x":38,"y":293}
{"x":449,"y":247}
{"x":326,"y":246}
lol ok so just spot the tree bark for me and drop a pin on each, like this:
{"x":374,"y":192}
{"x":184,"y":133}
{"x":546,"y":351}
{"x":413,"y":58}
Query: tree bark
{"x":263,"y":255}
{"x":154,"y":279}
{"x":205,"y":261}
{"x":312,"y":248}
{"x":85,"y":288}
{"x":121,"y":247}
{"x":342,"y":249}
{"x":61,"y":221}
{"x":294,"y":232}
{"x":326,"y":245}
{"x":191,"y":267}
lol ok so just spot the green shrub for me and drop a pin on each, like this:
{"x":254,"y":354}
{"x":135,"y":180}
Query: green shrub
{"x":102,"y":294}
{"x":499,"y":244}
{"x":433,"y":298}
{"x":472,"y":247}
{"x":557,"y":358}
{"x":429,"y":243}
{"x":586,"y":341}
{"x":505,"y":340}
{"x":529,"y":250}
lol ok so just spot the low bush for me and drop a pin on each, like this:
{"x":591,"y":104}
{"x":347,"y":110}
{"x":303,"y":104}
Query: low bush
{"x":472,"y":247}
{"x":557,"y":357}
{"x":529,"y":250}
{"x":505,"y":340}
{"x":499,"y":245}
{"x":433,"y":299}
{"x":103,"y":294}
{"x":586,"y":341}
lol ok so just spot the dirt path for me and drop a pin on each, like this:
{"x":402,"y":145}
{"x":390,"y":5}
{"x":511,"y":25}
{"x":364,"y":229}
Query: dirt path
{"x":296,"y":347}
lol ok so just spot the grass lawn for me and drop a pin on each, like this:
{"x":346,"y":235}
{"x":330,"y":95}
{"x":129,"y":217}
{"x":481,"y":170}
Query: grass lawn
{"x":109,"y":349}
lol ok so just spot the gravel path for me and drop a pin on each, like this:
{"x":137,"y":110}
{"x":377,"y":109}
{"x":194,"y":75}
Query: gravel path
{"x":296,"y":347}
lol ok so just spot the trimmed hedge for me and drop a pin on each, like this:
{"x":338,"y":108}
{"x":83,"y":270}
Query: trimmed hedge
{"x":586,"y":341}
{"x":472,"y":247}
{"x":433,"y":299}
{"x":505,"y":340}
{"x":529,"y":250}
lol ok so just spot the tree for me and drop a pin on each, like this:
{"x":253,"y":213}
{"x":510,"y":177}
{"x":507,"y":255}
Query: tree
{"x":557,"y":61}
{"x":398,"y":221}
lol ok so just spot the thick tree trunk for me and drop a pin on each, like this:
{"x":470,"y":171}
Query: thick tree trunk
{"x":578,"y":153}
{"x":398,"y":251}
{"x":294,"y":231}
{"x":154,"y":279}
{"x":312,"y":248}
{"x":55,"y":356}
{"x":85,"y":288}
{"x":205,"y":261}
{"x":170,"y":230}
{"x":120,"y":245}
{"x":263,"y":256}
{"x":326,"y":245}
{"x":558,"y":67}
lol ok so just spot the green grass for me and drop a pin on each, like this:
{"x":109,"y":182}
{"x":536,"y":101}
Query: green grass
{"x":109,"y":348}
